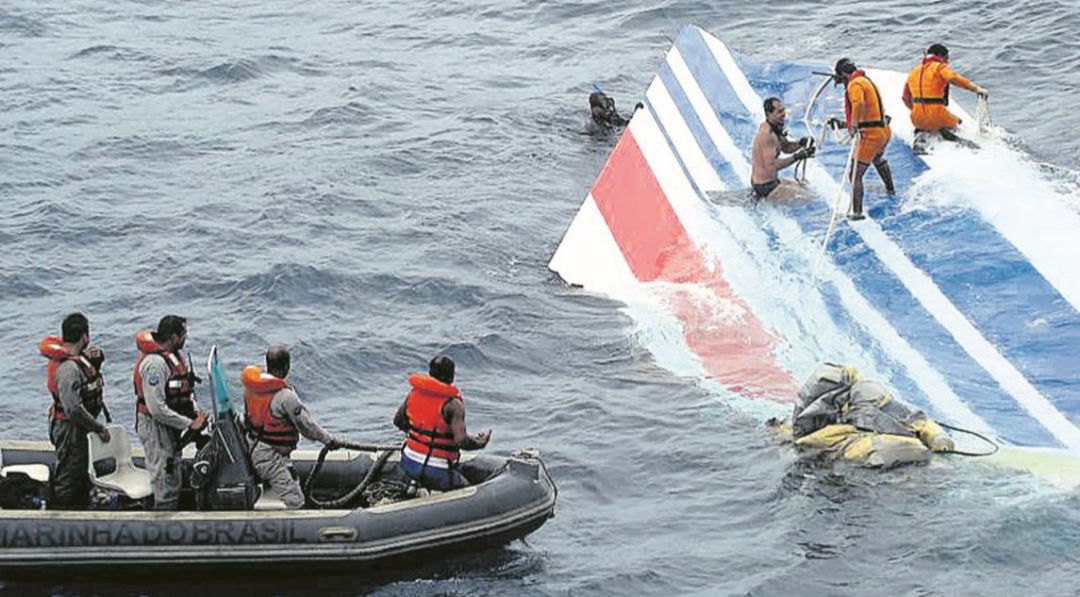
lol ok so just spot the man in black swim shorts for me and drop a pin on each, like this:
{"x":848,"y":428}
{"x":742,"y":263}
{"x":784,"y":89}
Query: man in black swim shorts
{"x":762,"y":190}
{"x":770,"y":142}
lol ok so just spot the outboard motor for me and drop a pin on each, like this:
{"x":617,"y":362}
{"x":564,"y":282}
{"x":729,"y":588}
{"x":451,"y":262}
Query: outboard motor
{"x":222,"y":473}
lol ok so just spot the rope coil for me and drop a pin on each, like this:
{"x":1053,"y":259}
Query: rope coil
{"x":384,"y":452}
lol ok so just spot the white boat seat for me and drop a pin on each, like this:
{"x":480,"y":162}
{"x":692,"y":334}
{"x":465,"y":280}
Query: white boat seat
{"x":125,"y":477}
{"x":37,"y":472}
{"x":268,"y":500}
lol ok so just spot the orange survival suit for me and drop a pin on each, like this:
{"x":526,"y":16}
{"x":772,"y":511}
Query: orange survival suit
{"x":862,"y":97}
{"x":927,"y":94}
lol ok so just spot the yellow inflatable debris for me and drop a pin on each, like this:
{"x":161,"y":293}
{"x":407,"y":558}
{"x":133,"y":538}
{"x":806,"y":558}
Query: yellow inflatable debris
{"x":838,"y":415}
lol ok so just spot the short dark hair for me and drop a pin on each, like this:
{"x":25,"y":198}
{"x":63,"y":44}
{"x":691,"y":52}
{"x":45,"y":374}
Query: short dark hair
{"x":169,"y":326}
{"x":845,"y":67}
{"x":938,"y":50}
{"x":442,"y":368}
{"x":74,"y":327}
{"x":277,"y":360}
{"x":770,"y":105}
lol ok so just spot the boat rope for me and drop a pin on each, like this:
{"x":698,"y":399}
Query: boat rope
{"x":384,"y":453}
{"x":974,"y":433}
{"x":848,"y":176}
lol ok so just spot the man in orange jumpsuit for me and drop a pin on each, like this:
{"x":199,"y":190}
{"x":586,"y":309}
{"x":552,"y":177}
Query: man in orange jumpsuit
{"x":865,"y":114}
{"x":926,"y":94}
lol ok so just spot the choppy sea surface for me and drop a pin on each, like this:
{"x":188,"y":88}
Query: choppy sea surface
{"x":372,"y":183}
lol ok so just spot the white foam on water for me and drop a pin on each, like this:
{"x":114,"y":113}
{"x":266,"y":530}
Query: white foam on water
{"x":788,"y":304}
{"x":771,"y":278}
{"x":926,"y":292}
{"x":937,"y":390}
{"x":796,"y":311}
{"x":1037,"y":215}
{"x":731,"y":237}
{"x":657,"y":330}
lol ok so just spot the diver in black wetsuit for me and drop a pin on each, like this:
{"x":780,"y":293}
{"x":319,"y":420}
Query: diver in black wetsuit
{"x":603,"y":112}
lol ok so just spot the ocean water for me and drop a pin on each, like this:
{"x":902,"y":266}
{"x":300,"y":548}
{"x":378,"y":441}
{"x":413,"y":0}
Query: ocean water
{"x":372,"y":184}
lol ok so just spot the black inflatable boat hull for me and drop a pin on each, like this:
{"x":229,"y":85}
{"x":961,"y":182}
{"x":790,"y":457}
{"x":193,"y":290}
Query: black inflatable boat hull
{"x":515,"y":500}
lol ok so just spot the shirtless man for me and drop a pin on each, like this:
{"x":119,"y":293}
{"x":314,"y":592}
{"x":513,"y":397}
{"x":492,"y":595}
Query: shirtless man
{"x":770,"y":142}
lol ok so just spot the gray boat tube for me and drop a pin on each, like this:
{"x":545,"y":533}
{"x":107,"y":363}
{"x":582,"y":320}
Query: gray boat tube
{"x":510,"y":497}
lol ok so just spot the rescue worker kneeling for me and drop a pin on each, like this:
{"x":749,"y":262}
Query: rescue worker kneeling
{"x":433,"y":418}
{"x":275,"y":421}
{"x":841,"y":416}
{"x":926,"y":94}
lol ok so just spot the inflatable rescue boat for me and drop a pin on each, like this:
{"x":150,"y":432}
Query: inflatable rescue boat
{"x":509,"y":498}
{"x":361,"y":508}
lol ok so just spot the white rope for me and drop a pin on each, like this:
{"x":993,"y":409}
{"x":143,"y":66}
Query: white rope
{"x":848,"y":176}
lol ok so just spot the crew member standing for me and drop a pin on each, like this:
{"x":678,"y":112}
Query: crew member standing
{"x":275,"y":421}
{"x":165,"y":406}
{"x":864,"y":113}
{"x":433,"y":418}
{"x":74,"y":381}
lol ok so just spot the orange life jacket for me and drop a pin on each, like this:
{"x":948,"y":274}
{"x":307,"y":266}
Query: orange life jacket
{"x":927,"y":83}
{"x":874,"y":115}
{"x":259,"y":391}
{"x":178,"y":388}
{"x":91,"y":392}
{"x":428,"y":432}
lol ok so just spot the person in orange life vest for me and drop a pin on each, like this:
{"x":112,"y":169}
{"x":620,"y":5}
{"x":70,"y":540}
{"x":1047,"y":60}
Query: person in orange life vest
{"x":164,"y":406}
{"x":74,"y":381}
{"x":864,"y":112}
{"x":433,"y":418}
{"x":275,"y":421}
{"x":926,"y":93}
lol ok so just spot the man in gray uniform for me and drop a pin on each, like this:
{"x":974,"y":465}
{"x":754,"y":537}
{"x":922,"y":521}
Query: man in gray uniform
{"x":165,"y":406}
{"x":276,"y":418}
{"x":75,"y":383}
